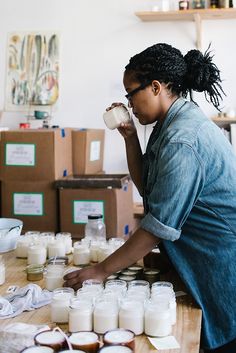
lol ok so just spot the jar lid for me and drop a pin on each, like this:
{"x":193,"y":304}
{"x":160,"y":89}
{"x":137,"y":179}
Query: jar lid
{"x":94,"y":216}
{"x":34,"y":268}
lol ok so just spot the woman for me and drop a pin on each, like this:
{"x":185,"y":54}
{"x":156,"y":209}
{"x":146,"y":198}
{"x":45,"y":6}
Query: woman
{"x":187,"y":178}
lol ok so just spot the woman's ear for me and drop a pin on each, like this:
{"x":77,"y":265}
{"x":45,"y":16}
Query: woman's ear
{"x":156,"y":87}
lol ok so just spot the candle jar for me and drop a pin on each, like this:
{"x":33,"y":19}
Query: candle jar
{"x":137,"y":269}
{"x":120,"y":336}
{"x":105,"y":250}
{"x":93,"y":285}
{"x":50,"y":338}
{"x":2,"y":271}
{"x":60,"y":304}
{"x":38,"y":349}
{"x":128,"y":273}
{"x":115,"y":349}
{"x":166,"y":295}
{"x":140,"y":286}
{"x":54,"y":277}
{"x":81,"y":256}
{"x":37,"y":255}
{"x":87,"y":341}
{"x":80,"y":315}
{"x":131,"y":316}
{"x":66,"y":238}
{"x":105,"y":316}
{"x":117,"y":285}
{"x":22,"y":246}
{"x":157,"y":320}
{"x":56,"y":248}
{"x":34,"y":272}
{"x":151,"y":275}
{"x":94,"y":250}
{"x":127,"y":279}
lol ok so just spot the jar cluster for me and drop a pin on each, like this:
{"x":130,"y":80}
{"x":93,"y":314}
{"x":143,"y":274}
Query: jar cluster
{"x":99,"y":308}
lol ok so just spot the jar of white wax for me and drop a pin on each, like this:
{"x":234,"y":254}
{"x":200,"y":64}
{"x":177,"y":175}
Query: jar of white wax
{"x":116,"y":285}
{"x":87,"y":295}
{"x":118,"y":348}
{"x":22,"y":246}
{"x":38,"y":349}
{"x":105,"y":316}
{"x":140,"y":285}
{"x":66,"y":238}
{"x":131,"y":316}
{"x":56,"y":248}
{"x":80,"y":315}
{"x":93,"y":285}
{"x":2,"y":271}
{"x":50,"y":338}
{"x":54,"y":277}
{"x":37,"y":255}
{"x":161,"y":285}
{"x":94,"y":249}
{"x":104,"y":251}
{"x":81,"y":256}
{"x":60,"y":304}
{"x":157,"y":320}
{"x":166,"y":295}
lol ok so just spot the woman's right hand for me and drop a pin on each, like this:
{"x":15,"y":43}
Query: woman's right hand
{"x":126,"y":129}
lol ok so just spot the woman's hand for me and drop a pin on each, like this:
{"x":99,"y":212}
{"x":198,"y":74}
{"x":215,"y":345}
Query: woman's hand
{"x":126,"y":129}
{"x":76,"y":278}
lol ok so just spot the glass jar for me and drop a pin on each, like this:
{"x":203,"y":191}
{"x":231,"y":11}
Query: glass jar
{"x":157,"y":320}
{"x":93,"y":285}
{"x":131,"y":316}
{"x":22,"y":246}
{"x":60,"y":304}
{"x":50,"y":338}
{"x":105,"y":316}
{"x":34,"y":272}
{"x":56,"y":248}
{"x":116,"y":348}
{"x":2,"y":271}
{"x":38,"y":349}
{"x":81,"y":255}
{"x":116,"y":285}
{"x":95,"y":229}
{"x":80,"y":315}
{"x":158,"y":296}
{"x":37,"y":255}
{"x":54,"y":276}
{"x":151,"y":275}
{"x":66,"y":238}
{"x":120,"y":336}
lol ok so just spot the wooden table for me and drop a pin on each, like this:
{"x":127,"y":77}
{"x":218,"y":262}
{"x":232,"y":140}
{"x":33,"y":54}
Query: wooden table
{"x":186,"y":330}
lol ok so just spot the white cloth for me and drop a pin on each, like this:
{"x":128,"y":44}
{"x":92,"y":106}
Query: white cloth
{"x":27,"y":298}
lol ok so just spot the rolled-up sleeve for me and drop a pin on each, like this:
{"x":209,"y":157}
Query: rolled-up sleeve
{"x":174,"y":183}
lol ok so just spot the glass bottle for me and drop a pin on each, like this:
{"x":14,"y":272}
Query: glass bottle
{"x":95,"y":229}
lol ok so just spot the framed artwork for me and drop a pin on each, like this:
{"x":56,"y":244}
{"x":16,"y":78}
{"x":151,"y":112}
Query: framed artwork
{"x":32,"y":70}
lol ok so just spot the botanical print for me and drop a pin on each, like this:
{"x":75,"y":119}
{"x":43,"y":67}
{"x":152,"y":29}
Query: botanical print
{"x":32,"y":70}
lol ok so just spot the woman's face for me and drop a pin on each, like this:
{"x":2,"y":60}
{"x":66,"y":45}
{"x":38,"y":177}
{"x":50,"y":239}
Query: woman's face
{"x":145,"y":102}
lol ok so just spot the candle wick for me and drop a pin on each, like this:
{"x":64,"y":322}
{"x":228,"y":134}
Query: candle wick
{"x":64,"y":335}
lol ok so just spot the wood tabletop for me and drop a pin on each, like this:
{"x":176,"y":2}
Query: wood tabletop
{"x":186,"y":330}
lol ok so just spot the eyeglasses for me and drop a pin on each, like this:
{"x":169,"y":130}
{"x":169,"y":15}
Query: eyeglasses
{"x":136,"y":90}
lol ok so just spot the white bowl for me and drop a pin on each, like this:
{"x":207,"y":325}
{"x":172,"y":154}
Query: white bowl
{"x":10,"y":230}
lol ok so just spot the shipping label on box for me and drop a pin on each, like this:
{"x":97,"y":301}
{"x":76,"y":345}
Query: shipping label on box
{"x":20,"y":154}
{"x":82,"y":208}
{"x":95,"y":148}
{"x":28,"y":204}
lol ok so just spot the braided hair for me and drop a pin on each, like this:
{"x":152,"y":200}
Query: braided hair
{"x":182,"y":74}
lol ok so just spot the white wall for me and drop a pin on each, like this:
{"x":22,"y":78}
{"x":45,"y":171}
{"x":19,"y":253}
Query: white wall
{"x":97,"y":39}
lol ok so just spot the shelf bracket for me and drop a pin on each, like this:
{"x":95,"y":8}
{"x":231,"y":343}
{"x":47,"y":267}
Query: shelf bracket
{"x":198,"y":22}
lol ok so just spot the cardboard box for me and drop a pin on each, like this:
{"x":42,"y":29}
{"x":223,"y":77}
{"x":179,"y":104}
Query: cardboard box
{"x":87,"y":151}
{"x":43,"y":154}
{"x":36,"y":204}
{"x":116,"y":205}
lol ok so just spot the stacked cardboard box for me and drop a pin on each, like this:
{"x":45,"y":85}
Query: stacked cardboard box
{"x":108,"y":194}
{"x":31,"y":160}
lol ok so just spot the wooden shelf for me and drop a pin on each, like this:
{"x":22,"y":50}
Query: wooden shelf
{"x":224,"y":120}
{"x":196,"y":15}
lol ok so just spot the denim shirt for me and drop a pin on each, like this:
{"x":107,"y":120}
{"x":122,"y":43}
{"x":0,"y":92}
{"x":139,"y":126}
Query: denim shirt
{"x":190,"y":204}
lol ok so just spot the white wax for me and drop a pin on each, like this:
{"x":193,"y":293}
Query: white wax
{"x":60,"y":307}
{"x":37,"y":349}
{"x":81,"y":256}
{"x":116,"y":349}
{"x":118,"y":336}
{"x":105,"y":318}
{"x":57,"y":248}
{"x":94,"y":250}
{"x":131,"y":320}
{"x":2,"y":273}
{"x":80,"y":320}
{"x":157,"y":324}
{"x":37,"y":255}
{"x":82,"y":338}
{"x":53,"y":281}
{"x":22,"y":246}
{"x":50,"y":337}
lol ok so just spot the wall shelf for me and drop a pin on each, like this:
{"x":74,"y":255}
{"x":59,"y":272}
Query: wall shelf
{"x":224,"y":120}
{"x":189,"y":15}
